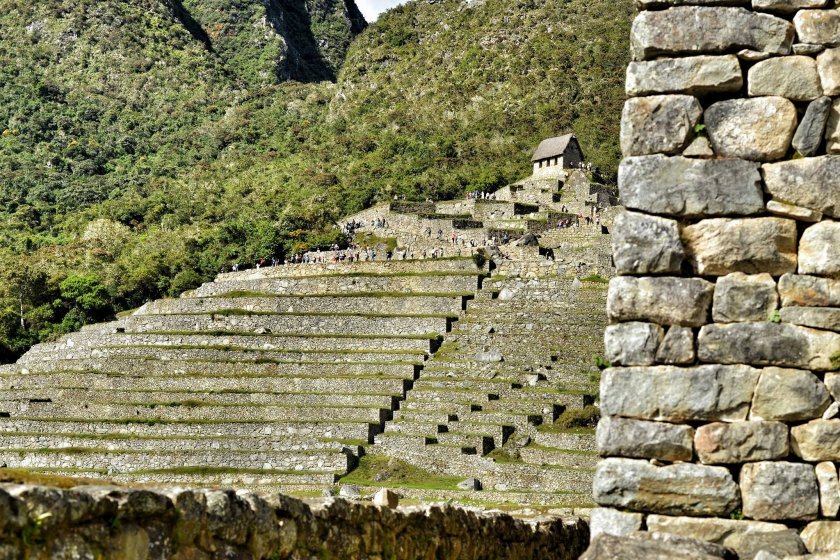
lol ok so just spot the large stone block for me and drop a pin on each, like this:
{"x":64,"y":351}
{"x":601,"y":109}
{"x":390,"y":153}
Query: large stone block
{"x":613,"y":522}
{"x":832,"y":129}
{"x":641,"y":439}
{"x":787,"y":6}
{"x":741,"y":442}
{"x":740,"y":297}
{"x":693,"y":75}
{"x":832,"y":382}
{"x":685,"y":30}
{"x":818,"y":249}
{"x":659,"y":124}
{"x":818,"y":440}
{"x":632,"y":344}
{"x":664,"y":300}
{"x":788,"y":395}
{"x":828,"y":65}
{"x":796,"y":289}
{"x":645,"y":244}
{"x":682,"y":489}
{"x":690,"y":188}
{"x":810,"y":182}
{"x":829,"y":488}
{"x":650,"y":546}
{"x":677,"y":347}
{"x":826,"y":318}
{"x":811,"y":130}
{"x":777,"y":490}
{"x":757,"y":129}
{"x":720,"y":246}
{"x":672,"y":394}
{"x":818,"y":26}
{"x":822,"y":536}
{"x":769,"y":344}
{"x":711,"y":530}
{"x":793,"y":77}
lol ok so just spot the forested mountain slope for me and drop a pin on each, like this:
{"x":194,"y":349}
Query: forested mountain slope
{"x":147,"y":144}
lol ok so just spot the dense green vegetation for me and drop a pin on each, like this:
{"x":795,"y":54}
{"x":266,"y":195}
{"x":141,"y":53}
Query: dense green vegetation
{"x":145,"y":145}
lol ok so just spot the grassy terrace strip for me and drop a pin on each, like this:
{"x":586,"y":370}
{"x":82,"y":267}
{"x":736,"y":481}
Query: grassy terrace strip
{"x":190,"y":403}
{"x":75,"y":450}
{"x":379,"y":471}
{"x":434,"y":273}
{"x":428,"y":336}
{"x":221,"y":392}
{"x":243,"y":312}
{"x":201,"y":375}
{"x":210,"y":437}
{"x":207,"y":421}
{"x":263,"y":295}
{"x":230,"y":348}
{"x":208,"y":471}
{"x":262,"y":361}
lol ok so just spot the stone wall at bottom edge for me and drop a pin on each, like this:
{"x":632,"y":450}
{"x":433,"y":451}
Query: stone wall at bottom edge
{"x":116,"y":522}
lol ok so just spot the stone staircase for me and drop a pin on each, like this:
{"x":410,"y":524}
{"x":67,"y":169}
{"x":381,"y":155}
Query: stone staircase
{"x":518,"y":358}
{"x":274,"y":378}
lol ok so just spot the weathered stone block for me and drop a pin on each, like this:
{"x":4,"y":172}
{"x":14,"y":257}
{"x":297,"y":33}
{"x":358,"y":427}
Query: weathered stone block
{"x":663,"y":300}
{"x":829,"y":488}
{"x":645,"y":244}
{"x":741,"y":297}
{"x":672,"y":394}
{"x":832,"y":382}
{"x":769,"y":344}
{"x":624,"y":437}
{"x":832,"y":129}
{"x":757,"y":129}
{"x":685,"y":30}
{"x":810,"y":132}
{"x":794,"y":212}
{"x":700,"y":147}
{"x":632,"y":344}
{"x":826,"y":318}
{"x":803,"y":290}
{"x":693,"y":75}
{"x":613,"y":522}
{"x":659,"y":123}
{"x":820,"y":27}
{"x":789,"y":394}
{"x":741,"y":442}
{"x":718,"y":531}
{"x":787,"y":6}
{"x":822,"y":536}
{"x":688,"y":188}
{"x":682,"y":489}
{"x":778,"y":544}
{"x":793,"y":77}
{"x":810,"y":182}
{"x":818,"y":440}
{"x":677,"y":347}
{"x":779,"y":490}
{"x":720,"y":246}
{"x":818,"y":249}
{"x":645,"y":546}
{"x":828,"y":65}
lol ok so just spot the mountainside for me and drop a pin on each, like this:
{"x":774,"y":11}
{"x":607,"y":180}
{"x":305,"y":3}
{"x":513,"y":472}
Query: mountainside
{"x":146,"y":145}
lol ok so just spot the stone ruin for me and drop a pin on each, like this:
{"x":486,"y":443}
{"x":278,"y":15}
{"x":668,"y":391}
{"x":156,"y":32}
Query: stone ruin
{"x":284,"y":378}
{"x":720,"y":417}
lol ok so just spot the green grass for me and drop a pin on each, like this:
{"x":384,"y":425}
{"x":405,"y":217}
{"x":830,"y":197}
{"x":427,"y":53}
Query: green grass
{"x":209,"y":471}
{"x":381,"y":471}
{"x":243,"y":312}
{"x":501,"y":456}
{"x":231,"y":348}
{"x":379,"y":294}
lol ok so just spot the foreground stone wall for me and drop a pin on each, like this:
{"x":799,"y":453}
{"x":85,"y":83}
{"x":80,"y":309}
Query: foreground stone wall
{"x":113,"y":522}
{"x":726,"y":314}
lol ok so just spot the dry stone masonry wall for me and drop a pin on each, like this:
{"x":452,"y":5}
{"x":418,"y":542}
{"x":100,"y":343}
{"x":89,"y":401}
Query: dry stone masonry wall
{"x":111,"y":522}
{"x":720,"y":415}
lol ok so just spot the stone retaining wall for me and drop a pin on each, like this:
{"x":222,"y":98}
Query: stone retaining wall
{"x":725,"y":327}
{"x":114,"y":522}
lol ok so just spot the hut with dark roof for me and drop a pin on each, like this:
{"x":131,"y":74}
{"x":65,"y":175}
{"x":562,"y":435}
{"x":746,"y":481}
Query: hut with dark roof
{"x":555,"y":154}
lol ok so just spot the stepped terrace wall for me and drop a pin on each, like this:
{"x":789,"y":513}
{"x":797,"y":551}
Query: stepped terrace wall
{"x":114,"y":522}
{"x":721,"y":413}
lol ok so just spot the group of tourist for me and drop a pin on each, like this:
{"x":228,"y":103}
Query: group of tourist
{"x":480,"y":195}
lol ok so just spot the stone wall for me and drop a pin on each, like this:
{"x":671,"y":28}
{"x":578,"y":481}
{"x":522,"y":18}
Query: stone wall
{"x":114,"y":522}
{"x":725,"y":327}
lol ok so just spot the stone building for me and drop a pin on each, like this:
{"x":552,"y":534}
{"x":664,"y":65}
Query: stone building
{"x":553,"y":155}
